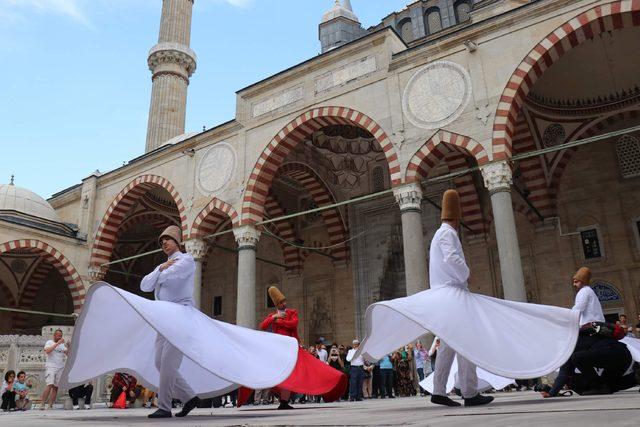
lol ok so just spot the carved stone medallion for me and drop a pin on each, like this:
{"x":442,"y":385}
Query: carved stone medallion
{"x":436,"y":94}
{"x":216,"y":168}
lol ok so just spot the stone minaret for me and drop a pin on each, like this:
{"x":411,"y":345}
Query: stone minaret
{"x":171,"y":62}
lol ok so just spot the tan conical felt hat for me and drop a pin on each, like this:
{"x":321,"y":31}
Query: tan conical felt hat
{"x":583,"y":274}
{"x":276,"y":296}
{"x":172,"y":231}
{"x":451,"y":209}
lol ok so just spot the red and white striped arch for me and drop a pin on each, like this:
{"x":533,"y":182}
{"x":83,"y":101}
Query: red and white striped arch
{"x":107,"y":233}
{"x":606,"y":17}
{"x":8,"y":295}
{"x":284,"y":230}
{"x":155,"y":219}
{"x":466,"y":187}
{"x":296,"y":131}
{"x":454,"y":149}
{"x":30,"y":291}
{"x":595,"y":128}
{"x":59,"y":262}
{"x":532,"y":169}
{"x":211,"y":217}
{"x":322,"y":196}
{"x":436,"y":148}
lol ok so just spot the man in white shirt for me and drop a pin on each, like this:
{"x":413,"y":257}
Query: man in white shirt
{"x":171,"y":281}
{"x":587,"y":302}
{"x":323,"y":355}
{"x":56,"y":354}
{"x":447,"y":267}
{"x":356,"y":373}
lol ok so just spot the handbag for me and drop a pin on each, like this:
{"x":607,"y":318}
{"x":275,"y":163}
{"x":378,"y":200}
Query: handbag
{"x":121,"y":401}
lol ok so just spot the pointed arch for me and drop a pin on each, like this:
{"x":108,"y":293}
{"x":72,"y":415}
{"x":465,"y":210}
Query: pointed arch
{"x":211,"y":217}
{"x":322,"y":195}
{"x":585,"y":26}
{"x":59,"y":262}
{"x":455,"y":149}
{"x":107,"y":233}
{"x":296,"y":131}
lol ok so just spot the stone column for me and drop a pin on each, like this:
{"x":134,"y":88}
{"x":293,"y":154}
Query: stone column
{"x":247,"y":237}
{"x":498,"y":179}
{"x":198,"y":249}
{"x":409,"y":198}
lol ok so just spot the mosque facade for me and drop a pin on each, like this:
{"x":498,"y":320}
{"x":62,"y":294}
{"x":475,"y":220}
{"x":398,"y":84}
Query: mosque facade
{"x":480,"y":96}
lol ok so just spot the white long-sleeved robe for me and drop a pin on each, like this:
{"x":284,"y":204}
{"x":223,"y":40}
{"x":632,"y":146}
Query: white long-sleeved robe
{"x":506,"y":338}
{"x":174,"y":284}
{"x":118,"y":331}
{"x":588,"y":305}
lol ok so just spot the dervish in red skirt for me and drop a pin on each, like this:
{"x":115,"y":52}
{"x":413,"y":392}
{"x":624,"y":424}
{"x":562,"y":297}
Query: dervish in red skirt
{"x":310,"y":375}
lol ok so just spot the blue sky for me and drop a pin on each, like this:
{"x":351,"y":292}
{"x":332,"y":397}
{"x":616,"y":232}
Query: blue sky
{"x":75,"y":85}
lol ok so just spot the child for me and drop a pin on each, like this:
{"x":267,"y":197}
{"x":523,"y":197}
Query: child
{"x":22,"y":392}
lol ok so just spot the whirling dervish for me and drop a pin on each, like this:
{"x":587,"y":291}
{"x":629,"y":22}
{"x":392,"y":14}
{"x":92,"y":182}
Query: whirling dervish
{"x":494,"y":337}
{"x":171,"y":346}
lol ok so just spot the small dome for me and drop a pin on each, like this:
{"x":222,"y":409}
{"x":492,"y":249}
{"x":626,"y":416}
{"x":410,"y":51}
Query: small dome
{"x":339,"y":10}
{"x":178,"y":138}
{"x":22,"y":200}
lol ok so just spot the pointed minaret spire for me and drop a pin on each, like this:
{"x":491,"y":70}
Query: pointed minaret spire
{"x":347,"y":5}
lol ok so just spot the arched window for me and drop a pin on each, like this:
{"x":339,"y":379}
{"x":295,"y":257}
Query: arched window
{"x":462,"y":9}
{"x":628,"y":151}
{"x":406,"y":30}
{"x":433,"y":21}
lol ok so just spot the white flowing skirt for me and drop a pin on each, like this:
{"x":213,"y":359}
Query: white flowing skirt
{"x":117,"y":330}
{"x":486,"y":380}
{"x":506,"y":338}
{"x":633,"y":344}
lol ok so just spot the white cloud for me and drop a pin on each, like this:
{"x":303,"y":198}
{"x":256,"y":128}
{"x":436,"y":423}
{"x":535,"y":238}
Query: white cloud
{"x":17,"y":9}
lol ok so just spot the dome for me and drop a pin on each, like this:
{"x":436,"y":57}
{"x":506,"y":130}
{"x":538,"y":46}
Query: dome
{"x":178,"y":138}
{"x":339,"y":10}
{"x":22,"y":200}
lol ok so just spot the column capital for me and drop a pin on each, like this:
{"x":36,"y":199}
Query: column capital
{"x":197,"y":248}
{"x":97,"y":273}
{"x":246,"y":236}
{"x":497,"y":176}
{"x":409,"y":197}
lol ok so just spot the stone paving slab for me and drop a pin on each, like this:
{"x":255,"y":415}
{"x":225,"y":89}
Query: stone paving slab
{"x":509,"y":409}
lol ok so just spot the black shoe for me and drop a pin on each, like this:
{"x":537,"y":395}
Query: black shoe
{"x":285,"y":405}
{"x":478,"y":400}
{"x":603,"y":389}
{"x":189,"y":406}
{"x":457,"y":391}
{"x":160,"y":413}
{"x":443,"y":400}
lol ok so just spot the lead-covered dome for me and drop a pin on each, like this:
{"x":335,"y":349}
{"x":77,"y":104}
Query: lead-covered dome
{"x":20,"y":199}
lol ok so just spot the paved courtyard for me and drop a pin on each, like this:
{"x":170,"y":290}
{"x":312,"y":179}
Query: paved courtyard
{"x":509,"y":409}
